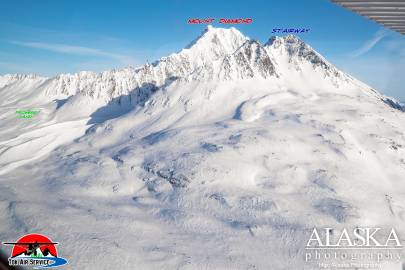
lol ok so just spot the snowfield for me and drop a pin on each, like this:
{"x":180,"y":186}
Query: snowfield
{"x":225,"y":155}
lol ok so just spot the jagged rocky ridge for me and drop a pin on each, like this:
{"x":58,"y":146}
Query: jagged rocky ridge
{"x":218,"y":54}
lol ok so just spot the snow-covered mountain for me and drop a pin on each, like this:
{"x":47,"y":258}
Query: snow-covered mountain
{"x":224,"y":155}
{"x":218,"y":54}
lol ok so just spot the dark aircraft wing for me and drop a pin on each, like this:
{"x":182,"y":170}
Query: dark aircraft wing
{"x":389,"y":13}
{"x":33,"y":243}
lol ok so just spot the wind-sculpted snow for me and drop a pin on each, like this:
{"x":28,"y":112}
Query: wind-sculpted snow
{"x":222,"y":156}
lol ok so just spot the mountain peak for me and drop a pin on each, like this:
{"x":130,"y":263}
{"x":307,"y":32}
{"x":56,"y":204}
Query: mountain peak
{"x":287,"y":39}
{"x":209,"y":28}
{"x":292,"y":39}
{"x":228,"y":38}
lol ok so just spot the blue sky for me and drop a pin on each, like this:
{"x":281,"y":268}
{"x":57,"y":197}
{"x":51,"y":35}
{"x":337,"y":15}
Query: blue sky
{"x":58,"y":36}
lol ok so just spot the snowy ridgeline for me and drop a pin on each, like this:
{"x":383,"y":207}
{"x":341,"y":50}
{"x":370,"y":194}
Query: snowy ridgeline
{"x":223,"y":54}
{"x":222,"y":156}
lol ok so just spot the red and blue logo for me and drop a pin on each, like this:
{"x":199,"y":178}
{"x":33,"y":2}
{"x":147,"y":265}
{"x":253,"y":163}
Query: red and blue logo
{"x":35,"y":250}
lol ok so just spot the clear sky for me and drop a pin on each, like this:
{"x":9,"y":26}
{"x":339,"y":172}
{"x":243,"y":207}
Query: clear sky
{"x":58,"y":36}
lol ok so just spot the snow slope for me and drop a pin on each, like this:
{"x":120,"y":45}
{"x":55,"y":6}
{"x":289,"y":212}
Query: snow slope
{"x":224,"y":155}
